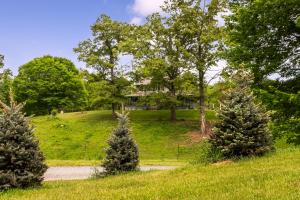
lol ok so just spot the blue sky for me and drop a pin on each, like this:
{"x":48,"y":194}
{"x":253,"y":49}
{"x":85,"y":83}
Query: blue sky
{"x":33,"y":28}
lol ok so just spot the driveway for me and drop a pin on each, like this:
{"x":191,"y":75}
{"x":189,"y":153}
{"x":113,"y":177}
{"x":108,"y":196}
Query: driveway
{"x":78,"y":173}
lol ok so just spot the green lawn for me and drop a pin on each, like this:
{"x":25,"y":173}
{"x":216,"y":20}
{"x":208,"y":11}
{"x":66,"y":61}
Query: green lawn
{"x":80,"y":138}
{"x":276,"y":176}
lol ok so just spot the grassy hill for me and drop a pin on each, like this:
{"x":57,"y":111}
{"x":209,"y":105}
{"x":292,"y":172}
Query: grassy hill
{"x":276,"y":176}
{"x":80,"y":137}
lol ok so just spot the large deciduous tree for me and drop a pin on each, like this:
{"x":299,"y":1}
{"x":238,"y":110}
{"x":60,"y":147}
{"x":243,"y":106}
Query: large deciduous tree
{"x":49,"y":83}
{"x":197,"y":24}
{"x":264,"y":36}
{"x":160,"y":58}
{"x":102,"y":53}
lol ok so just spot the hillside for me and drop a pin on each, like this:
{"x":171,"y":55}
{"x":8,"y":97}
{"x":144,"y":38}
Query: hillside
{"x":276,"y":176}
{"x":83,"y":136}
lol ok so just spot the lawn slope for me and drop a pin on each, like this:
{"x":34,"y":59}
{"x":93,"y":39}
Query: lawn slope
{"x":82,"y":136}
{"x":276,"y":176}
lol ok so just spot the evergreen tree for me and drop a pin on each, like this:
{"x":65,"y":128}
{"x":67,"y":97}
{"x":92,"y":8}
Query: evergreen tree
{"x":122,"y":154}
{"x":21,"y":162}
{"x":242,"y":129}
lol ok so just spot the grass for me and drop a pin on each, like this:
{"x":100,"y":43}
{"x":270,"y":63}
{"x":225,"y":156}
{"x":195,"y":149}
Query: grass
{"x":276,"y":176}
{"x":80,"y":138}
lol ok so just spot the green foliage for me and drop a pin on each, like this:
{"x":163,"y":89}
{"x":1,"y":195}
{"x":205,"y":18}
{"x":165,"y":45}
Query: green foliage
{"x":263,"y":37}
{"x":102,"y":53}
{"x":200,"y":39}
{"x":21,"y":162}
{"x":5,"y":81}
{"x":288,"y":129}
{"x":283,"y":99}
{"x":298,"y":22}
{"x":54,"y":112}
{"x":122,"y":153}
{"x":1,"y":61}
{"x":243,"y":126}
{"x":48,"y":83}
{"x":159,"y":58}
{"x":100,"y":91}
{"x":205,"y":154}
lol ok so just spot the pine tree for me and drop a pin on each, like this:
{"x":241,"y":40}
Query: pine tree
{"x":21,"y":162}
{"x":122,"y":154}
{"x":243,"y":126}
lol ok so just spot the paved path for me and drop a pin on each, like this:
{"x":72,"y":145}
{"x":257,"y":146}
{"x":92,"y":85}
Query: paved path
{"x":77,"y":173}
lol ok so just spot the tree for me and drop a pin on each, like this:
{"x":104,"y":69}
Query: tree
{"x":159,"y":57}
{"x":21,"y":161}
{"x":298,"y":22}
{"x":1,"y":61}
{"x":283,"y":99}
{"x":196,"y":22}
{"x":122,"y":153}
{"x":264,"y":37}
{"x":49,"y":83}
{"x":102,"y":53}
{"x":99,"y":90}
{"x":5,"y":81}
{"x":243,"y":126}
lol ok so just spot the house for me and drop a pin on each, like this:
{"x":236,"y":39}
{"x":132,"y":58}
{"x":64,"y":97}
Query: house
{"x":143,"y":97}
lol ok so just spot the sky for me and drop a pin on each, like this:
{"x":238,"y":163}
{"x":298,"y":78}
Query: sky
{"x":33,"y":28}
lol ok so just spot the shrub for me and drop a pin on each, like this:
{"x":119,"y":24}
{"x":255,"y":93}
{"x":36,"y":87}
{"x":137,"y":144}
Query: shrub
{"x":21,"y":161}
{"x":205,"y":154}
{"x":54,"y":112}
{"x":122,"y":153}
{"x":243,"y":126}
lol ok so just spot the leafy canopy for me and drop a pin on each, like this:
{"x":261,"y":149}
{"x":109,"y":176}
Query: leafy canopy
{"x":264,"y":37}
{"x":49,"y":83}
{"x":102,"y":53}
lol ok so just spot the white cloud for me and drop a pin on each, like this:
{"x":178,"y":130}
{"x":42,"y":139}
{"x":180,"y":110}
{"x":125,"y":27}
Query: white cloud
{"x":146,"y":7}
{"x":136,"y":20}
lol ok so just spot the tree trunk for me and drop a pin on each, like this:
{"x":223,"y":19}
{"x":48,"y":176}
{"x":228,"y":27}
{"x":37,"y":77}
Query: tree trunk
{"x":173,"y":104}
{"x":113,"y":105}
{"x":173,"y":113}
{"x":202,"y":102}
{"x":113,"y":108}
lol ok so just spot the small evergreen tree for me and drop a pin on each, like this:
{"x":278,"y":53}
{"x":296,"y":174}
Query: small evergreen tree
{"x":21,"y":162}
{"x":242,"y":129}
{"x":122,"y":153}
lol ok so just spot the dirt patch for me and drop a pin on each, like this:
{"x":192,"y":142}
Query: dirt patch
{"x":225,"y":162}
{"x":194,"y":137}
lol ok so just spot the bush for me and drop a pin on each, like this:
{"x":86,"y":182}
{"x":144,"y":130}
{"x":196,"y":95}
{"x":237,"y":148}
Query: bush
{"x":122,"y":154}
{"x":243,"y":126}
{"x":205,"y":154}
{"x":21,"y":162}
{"x":54,"y":112}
